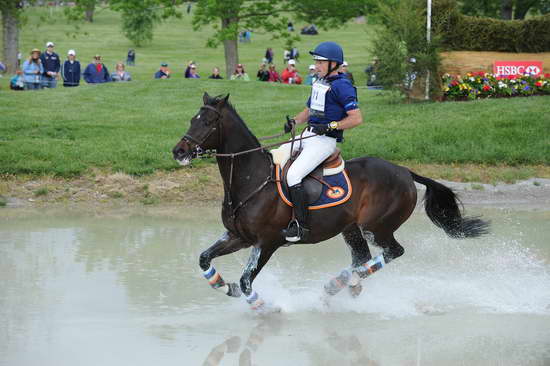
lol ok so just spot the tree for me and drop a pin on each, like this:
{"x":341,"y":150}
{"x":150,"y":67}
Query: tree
{"x":83,"y":9}
{"x":140,"y":16}
{"x":11,"y":18}
{"x":230,"y":17}
{"x":504,"y":9}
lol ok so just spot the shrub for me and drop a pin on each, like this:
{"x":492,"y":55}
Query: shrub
{"x":402,"y":39}
{"x":466,"y":33}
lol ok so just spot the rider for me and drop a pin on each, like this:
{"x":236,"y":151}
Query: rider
{"x":331,"y":108}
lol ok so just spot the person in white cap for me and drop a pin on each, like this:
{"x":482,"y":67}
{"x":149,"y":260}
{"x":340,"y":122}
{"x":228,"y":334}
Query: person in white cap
{"x":344,"y":71}
{"x":71,"y":70}
{"x":311,"y":76}
{"x":52,"y":65}
{"x":290,"y":75}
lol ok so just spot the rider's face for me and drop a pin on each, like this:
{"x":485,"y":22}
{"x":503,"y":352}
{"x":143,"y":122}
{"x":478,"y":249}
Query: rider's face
{"x":321,"y":67}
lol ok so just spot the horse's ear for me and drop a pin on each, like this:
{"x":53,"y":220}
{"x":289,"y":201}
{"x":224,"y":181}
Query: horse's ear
{"x":205,"y":98}
{"x":224,"y":100}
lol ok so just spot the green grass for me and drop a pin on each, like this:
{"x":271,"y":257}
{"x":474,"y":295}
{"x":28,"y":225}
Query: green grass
{"x":132,"y":127}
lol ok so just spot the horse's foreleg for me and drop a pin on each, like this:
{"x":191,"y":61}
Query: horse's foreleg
{"x":258,"y":258}
{"x":227,"y":244}
{"x":391,"y":250}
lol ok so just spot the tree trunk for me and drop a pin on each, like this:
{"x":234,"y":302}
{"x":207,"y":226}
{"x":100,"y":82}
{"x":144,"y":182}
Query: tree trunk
{"x":89,"y":13}
{"x":506,"y":7}
{"x":10,"y":31}
{"x":230,"y":49}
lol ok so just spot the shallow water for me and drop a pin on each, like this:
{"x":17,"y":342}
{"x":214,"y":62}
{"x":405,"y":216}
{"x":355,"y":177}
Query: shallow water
{"x":126,"y":289}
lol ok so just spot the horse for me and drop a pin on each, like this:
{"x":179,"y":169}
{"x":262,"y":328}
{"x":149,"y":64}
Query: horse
{"x":384,"y":196}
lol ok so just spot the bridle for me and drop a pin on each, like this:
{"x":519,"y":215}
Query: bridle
{"x":199,"y":152}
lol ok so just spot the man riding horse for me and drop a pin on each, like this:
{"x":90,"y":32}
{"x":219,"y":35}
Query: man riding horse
{"x":331,"y":108}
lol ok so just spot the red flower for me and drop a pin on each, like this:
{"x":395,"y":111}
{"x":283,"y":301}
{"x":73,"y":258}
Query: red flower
{"x":547,"y":76}
{"x":538,"y":83}
{"x":486,"y":88}
{"x":454,"y":83}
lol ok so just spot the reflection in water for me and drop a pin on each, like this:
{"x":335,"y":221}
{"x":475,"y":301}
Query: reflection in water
{"x":267,"y":326}
{"x":77,"y":288}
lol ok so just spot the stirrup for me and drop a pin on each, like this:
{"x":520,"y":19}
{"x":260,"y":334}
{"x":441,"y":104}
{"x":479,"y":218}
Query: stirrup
{"x":294,"y":232}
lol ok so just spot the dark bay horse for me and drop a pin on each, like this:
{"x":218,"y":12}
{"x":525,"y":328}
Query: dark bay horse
{"x":383,"y":198}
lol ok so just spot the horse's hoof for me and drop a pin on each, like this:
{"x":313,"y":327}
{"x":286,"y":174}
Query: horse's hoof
{"x":355,"y":290}
{"x":234,"y":290}
{"x":262,"y":308}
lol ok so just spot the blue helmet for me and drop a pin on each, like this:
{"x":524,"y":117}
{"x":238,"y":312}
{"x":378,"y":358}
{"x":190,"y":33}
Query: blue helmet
{"x":330,"y":51}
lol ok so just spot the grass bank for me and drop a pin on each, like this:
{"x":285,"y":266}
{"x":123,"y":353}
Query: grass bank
{"x":131,"y":128}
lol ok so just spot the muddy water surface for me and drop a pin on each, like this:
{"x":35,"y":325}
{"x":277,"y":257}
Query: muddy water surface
{"x":126,"y":289}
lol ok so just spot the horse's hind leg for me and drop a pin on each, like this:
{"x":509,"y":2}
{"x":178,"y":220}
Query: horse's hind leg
{"x":227,"y":244}
{"x":360,"y":254}
{"x":391,"y":250}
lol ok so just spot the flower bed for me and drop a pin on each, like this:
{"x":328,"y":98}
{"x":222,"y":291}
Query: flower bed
{"x":480,"y":84}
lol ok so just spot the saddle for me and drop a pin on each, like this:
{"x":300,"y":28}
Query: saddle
{"x":313,"y":183}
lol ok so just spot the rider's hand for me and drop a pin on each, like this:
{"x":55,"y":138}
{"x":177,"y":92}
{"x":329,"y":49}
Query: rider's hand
{"x":290,"y":122}
{"x":319,"y":129}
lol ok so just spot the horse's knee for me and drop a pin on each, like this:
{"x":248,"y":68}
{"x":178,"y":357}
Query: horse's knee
{"x":204,"y":260}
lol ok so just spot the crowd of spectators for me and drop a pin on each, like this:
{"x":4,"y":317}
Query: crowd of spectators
{"x":45,"y":69}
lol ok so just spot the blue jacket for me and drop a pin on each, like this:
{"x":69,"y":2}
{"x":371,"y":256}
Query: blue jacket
{"x":50,"y":62}
{"x":29,"y":71}
{"x":71,"y":73}
{"x":93,"y":77}
{"x":340,"y":98}
{"x":159,"y":74}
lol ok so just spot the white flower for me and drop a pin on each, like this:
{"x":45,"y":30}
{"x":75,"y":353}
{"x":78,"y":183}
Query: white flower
{"x":472,"y":79}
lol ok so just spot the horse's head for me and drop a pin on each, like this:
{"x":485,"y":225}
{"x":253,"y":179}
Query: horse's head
{"x":204,"y":132}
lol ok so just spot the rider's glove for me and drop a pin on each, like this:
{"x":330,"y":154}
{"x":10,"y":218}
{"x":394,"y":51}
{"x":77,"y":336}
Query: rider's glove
{"x":319,"y":129}
{"x":290,"y":122}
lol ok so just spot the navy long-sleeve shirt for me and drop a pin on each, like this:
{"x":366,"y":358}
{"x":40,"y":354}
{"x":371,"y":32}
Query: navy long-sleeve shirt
{"x":50,"y":62}
{"x":71,"y":73}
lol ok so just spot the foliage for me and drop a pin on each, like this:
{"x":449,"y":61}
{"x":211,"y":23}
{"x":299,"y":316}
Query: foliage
{"x":483,"y":85}
{"x":82,"y":10}
{"x":139,"y":17}
{"x":402,"y":48}
{"x":461,"y":32}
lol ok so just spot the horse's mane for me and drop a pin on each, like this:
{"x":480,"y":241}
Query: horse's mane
{"x":213,"y":101}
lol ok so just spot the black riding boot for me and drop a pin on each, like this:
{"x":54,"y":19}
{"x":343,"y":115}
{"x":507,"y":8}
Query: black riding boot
{"x":297,"y":229}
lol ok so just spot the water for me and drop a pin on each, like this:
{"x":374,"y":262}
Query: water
{"x":124,"y":288}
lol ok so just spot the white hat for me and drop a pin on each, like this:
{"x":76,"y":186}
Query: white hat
{"x":345,"y":63}
{"x":50,"y":44}
{"x":291,"y":62}
{"x":312,"y":67}
{"x":71,"y":53}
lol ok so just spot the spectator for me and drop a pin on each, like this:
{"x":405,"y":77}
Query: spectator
{"x":240,"y":74}
{"x":131,"y":58}
{"x":371,"y":72}
{"x":2,"y":68}
{"x":286,"y":56}
{"x":344,"y":71}
{"x":71,"y":70}
{"x":19,"y":57}
{"x":311,"y":76}
{"x":263,"y":74}
{"x":294,"y":54}
{"x":96,"y":72}
{"x":215,"y":74}
{"x":164,"y":72}
{"x":290,"y":26}
{"x":189,"y":7}
{"x":32,"y":71}
{"x":309,"y":29}
{"x":52,"y":65}
{"x":273,"y":74}
{"x":193,"y":72}
{"x":17,"y":82}
{"x":290,"y":75}
{"x":120,"y":74}
{"x":269,"y":55}
{"x":188,"y":69}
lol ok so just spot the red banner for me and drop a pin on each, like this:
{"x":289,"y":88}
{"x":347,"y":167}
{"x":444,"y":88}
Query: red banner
{"x":510,"y":69}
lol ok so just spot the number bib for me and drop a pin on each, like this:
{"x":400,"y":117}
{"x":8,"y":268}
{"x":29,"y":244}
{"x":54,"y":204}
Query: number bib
{"x":318,"y":94}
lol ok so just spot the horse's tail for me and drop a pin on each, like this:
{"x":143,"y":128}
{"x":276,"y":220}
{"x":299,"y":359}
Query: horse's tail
{"x":441,"y":205}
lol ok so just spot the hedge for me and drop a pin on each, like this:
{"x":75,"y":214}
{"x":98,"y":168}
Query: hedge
{"x":460,"y":32}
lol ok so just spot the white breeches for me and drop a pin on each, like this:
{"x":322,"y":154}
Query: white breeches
{"x":315,"y":151}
